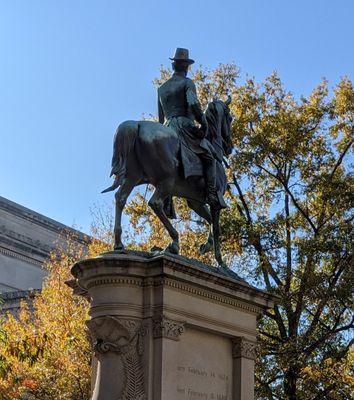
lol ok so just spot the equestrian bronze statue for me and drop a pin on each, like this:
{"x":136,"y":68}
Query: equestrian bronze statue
{"x":176,"y":156}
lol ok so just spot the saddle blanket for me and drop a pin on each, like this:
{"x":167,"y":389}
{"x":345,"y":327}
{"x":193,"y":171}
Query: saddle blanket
{"x":192,"y":164}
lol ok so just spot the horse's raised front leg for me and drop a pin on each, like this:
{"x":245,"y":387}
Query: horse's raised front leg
{"x":162,"y":191}
{"x":203,"y":211}
{"x":215,"y":215}
{"x":121,"y":196}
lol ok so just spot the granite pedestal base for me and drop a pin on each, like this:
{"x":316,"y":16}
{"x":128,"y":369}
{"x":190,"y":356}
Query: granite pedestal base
{"x":168,"y":328}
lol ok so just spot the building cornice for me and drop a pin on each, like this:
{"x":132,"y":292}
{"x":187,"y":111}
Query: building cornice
{"x":40,"y":220}
{"x":13,"y":254}
{"x":11,"y":239}
{"x":21,"y":246}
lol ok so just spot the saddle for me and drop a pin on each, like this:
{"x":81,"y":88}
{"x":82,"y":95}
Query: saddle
{"x":192,"y":166}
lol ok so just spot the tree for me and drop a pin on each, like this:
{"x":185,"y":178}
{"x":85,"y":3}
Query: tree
{"x":295,"y":212}
{"x":288,"y":227}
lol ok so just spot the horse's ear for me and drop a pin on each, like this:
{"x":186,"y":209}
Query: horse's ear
{"x":228,"y":101}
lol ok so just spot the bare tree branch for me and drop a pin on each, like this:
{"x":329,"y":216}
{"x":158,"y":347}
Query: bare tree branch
{"x":270,"y":336}
{"x":242,"y":198}
{"x":332,"y":283}
{"x":341,"y":157}
{"x":293,"y":199}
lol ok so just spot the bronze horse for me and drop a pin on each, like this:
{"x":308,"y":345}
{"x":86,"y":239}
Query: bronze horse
{"x":148,"y":152}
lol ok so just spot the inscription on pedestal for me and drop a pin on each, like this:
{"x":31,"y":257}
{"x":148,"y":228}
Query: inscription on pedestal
{"x":202,"y":377}
{"x":203,"y":368}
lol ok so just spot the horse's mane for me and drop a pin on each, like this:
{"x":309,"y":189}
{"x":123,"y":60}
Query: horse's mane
{"x":212,"y":116}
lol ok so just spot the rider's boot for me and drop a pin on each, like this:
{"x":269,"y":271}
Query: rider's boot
{"x":214,"y":198}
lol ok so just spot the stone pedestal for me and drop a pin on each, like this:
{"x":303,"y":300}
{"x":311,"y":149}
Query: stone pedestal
{"x":167,"y":328}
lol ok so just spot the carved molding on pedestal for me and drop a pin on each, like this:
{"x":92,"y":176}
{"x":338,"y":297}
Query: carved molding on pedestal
{"x":243,"y":348}
{"x":167,"y":328}
{"x":125,"y":337}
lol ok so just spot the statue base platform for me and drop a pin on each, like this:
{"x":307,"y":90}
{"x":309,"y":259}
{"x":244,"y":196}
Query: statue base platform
{"x":169,"y":328}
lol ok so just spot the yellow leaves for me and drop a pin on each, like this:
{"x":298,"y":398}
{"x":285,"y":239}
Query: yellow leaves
{"x":307,"y":370}
{"x":343,"y":114}
{"x":329,"y":376}
{"x":344,"y":98}
{"x":316,"y":102}
{"x":271,"y":121}
{"x":328,"y":362}
{"x":47,"y":351}
{"x":98,"y":246}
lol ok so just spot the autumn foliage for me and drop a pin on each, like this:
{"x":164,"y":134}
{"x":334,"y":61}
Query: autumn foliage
{"x":288,"y":230}
{"x":45,"y":351}
{"x":289,"y":226}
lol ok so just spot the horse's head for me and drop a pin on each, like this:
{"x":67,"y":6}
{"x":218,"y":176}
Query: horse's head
{"x":219,"y":123}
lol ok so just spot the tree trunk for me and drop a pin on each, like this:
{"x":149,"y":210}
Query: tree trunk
{"x":290,"y":383}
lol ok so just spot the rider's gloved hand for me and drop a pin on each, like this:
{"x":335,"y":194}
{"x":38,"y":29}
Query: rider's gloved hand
{"x":199,"y":133}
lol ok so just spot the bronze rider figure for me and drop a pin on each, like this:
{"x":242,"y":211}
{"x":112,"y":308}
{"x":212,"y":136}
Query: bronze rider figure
{"x":179,"y":108}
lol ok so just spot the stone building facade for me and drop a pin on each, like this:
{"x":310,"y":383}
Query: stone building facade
{"x":26,"y":240}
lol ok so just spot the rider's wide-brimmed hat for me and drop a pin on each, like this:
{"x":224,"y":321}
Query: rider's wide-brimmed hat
{"x":182,"y":55}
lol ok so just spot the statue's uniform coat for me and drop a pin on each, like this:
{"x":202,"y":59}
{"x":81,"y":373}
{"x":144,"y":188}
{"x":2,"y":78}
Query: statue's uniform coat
{"x":179,"y":106}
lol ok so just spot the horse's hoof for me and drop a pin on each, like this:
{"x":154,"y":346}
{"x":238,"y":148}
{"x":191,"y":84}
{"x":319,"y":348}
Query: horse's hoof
{"x":172,"y":248}
{"x":119,"y":248}
{"x":155,"y":249}
{"x":222,"y":265}
{"x":205,"y":248}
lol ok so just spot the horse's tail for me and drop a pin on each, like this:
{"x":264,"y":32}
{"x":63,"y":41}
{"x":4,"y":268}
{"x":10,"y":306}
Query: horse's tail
{"x":124,"y":140}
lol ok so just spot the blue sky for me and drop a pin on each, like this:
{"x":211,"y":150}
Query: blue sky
{"x":72,"y":70}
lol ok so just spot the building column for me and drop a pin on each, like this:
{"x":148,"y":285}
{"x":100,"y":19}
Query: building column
{"x":166,"y":335}
{"x":243,"y":354}
{"x":118,"y":345}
